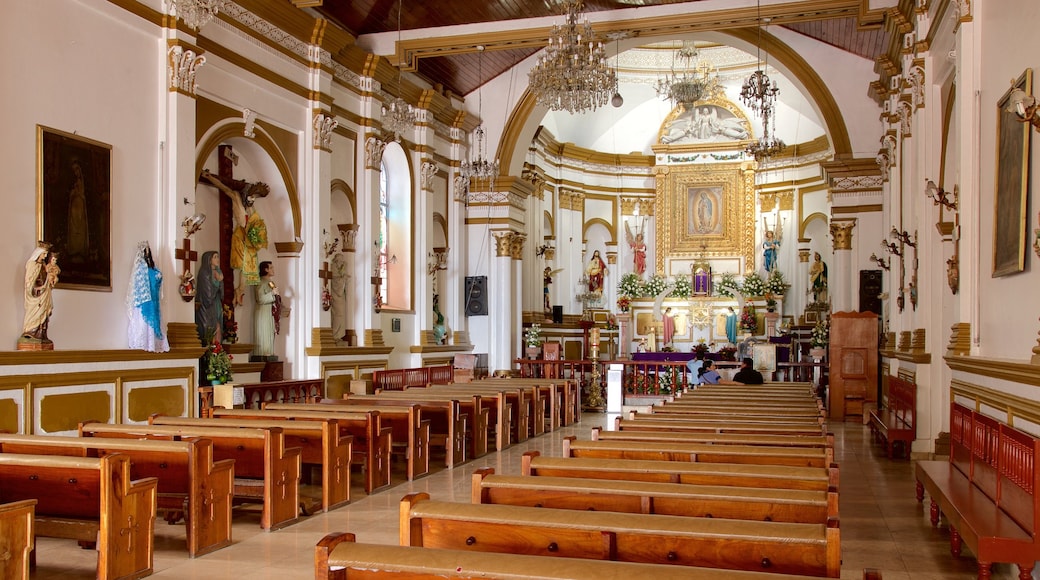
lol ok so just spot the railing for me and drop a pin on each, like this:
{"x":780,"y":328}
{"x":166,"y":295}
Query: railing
{"x":256,"y":394}
{"x":400,"y":379}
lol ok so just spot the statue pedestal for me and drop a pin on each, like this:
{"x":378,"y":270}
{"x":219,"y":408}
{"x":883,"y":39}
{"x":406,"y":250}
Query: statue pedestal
{"x":273,"y":371}
{"x":771,"y":320}
{"x":624,"y":335}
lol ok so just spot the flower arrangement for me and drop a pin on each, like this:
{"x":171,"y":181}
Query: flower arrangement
{"x":753,"y":285}
{"x":230,"y":326}
{"x":683,"y":288}
{"x":776,"y":284}
{"x":821,"y":335}
{"x":653,"y":286}
{"x":533,"y":336}
{"x":624,"y":303}
{"x":631,"y":286}
{"x":770,"y":302}
{"x":747,"y":318}
{"x":701,"y":348}
{"x":726,"y":285}
{"x":612,"y":323}
{"x":218,"y":364}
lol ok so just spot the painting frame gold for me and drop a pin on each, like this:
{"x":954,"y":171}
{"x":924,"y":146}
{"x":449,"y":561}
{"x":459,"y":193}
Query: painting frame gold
{"x":73,"y":206}
{"x":1011,"y":184}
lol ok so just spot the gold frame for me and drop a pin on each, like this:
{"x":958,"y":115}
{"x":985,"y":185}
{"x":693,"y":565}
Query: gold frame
{"x":1011,"y":184}
{"x":57,"y":152}
{"x":736,"y":184}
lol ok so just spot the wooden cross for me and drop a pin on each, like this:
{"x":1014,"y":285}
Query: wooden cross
{"x":129,"y":531}
{"x":186,"y":254}
{"x":325,"y":274}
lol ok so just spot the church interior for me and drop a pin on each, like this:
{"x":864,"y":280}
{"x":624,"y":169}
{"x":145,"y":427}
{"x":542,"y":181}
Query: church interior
{"x":223,"y":192}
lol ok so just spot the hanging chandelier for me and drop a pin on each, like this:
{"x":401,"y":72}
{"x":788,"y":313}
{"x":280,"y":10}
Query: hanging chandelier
{"x":398,"y":115}
{"x":759,"y":94}
{"x":573,"y":75}
{"x":196,"y":13}
{"x":694,"y":81}
{"x":478,"y":167}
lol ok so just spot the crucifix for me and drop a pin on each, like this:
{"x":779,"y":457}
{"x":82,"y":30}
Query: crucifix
{"x":186,"y":255}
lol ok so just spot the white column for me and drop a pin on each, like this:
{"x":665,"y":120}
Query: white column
{"x":841,"y":281}
{"x":796,"y":301}
{"x":500,"y":295}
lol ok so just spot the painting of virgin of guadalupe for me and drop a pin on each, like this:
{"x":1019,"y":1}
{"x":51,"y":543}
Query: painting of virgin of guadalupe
{"x":704,"y":208}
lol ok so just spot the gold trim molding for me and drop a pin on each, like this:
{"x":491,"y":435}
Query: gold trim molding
{"x":1008,"y":370}
{"x":841,"y":232}
{"x":1012,"y":406}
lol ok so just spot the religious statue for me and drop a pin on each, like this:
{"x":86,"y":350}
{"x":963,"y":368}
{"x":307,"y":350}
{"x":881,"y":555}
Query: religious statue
{"x":267,"y":314}
{"x":41,"y":275}
{"x":440,"y":331}
{"x":731,"y":325}
{"x":818,"y":279}
{"x":250,"y":234}
{"x":209,"y":293}
{"x":144,"y":304}
{"x":769,"y":250}
{"x":547,"y":278}
{"x":596,"y":270}
{"x":668,"y":327}
{"x":638,"y":246}
{"x":338,"y":294}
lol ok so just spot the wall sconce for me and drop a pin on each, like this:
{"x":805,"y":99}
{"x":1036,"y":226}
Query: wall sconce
{"x":940,"y":196}
{"x":891,"y":248}
{"x":438,"y":260}
{"x":881,"y":262}
{"x":1025,"y":106}
{"x":904,"y":237}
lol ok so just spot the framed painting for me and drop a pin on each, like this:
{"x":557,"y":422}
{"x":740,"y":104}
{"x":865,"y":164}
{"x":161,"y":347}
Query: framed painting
{"x":1011,"y":191}
{"x":764,"y":356}
{"x":73,"y":206}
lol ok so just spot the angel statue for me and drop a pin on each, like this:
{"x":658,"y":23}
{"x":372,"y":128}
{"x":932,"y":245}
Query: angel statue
{"x":638,"y":249}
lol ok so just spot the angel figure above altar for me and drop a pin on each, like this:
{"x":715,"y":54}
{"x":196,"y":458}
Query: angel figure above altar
{"x":638,"y":246}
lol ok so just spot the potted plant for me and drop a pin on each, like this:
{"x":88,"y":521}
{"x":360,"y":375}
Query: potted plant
{"x":819,"y":340}
{"x":533,"y":340}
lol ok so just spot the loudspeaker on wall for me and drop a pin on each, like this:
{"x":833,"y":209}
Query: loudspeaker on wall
{"x":557,"y":314}
{"x":475,"y":297}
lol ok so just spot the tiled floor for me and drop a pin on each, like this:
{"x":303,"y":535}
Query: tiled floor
{"x":882,"y":525}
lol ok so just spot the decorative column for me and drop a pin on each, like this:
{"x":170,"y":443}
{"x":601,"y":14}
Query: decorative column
{"x":516,"y":254}
{"x":800,"y":300}
{"x":841,"y":281}
{"x":503,"y":342}
{"x":348,"y":233}
{"x":367,"y":260}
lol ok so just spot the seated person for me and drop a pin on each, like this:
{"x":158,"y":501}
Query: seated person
{"x":708,"y":374}
{"x":747,"y":375}
{"x":694,"y":365}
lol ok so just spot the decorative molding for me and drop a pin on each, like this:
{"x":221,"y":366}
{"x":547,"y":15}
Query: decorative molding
{"x":960,"y":339}
{"x":962,"y":10}
{"x":249,"y":120}
{"x":516,"y":246}
{"x":374,"y":337}
{"x":917,"y":84}
{"x":572,"y":199}
{"x":857,"y":183}
{"x":184,"y":63}
{"x":841,"y":233}
{"x":503,"y":244}
{"x":323,"y":127}
{"x":917,"y":341}
{"x":611,"y":258}
{"x":803,"y":255}
{"x":1008,"y":370}
{"x":906,"y":118}
{"x":427,"y":171}
{"x":904,"y":341}
{"x":1010,"y":406}
{"x":646,"y":206}
{"x":348,"y":233}
{"x":324,"y":344}
{"x":374,"y":152}
{"x":460,"y":188}
{"x":884,"y":164}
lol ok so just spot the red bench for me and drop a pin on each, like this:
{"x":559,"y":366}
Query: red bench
{"x":897,"y":421}
{"x":987,"y":491}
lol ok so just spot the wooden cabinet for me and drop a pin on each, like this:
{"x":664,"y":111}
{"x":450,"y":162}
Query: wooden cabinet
{"x":853,"y":363}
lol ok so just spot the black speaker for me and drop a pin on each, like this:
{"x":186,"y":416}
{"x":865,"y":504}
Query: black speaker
{"x":558,"y":314}
{"x":870,"y":291}
{"x":475,"y":298}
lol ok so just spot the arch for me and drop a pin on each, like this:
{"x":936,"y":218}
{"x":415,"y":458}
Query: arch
{"x":338,"y":185}
{"x":599,"y":221}
{"x":809,"y":219}
{"x":548,"y":222}
{"x":440,"y":222}
{"x":401,"y":226}
{"x":517,"y":130}
{"x":233,"y":128}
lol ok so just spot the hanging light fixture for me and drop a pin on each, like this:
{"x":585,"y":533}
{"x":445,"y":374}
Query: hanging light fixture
{"x":398,"y":115}
{"x":573,"y":74}
{"x":478,"y":166}
{"x":759,"y":94}
{"x":693,"y":81}
{"x":196,"y":13}
{"x":617,"y":100}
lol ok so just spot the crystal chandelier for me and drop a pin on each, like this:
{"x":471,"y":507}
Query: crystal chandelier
{"x":693,"y":82}
{"x":398,"y":115}
{"x":479,"y":167}
{"x":573,"y":75}
{"x":768,"y":145}
{"x":759,"y":94}
{"x":196,"y":13}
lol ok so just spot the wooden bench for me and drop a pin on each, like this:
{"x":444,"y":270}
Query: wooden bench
{"x":987,"y":491}
{"x":741,"y":475}
{"x":563,"y":394}
{"x":190,"y":483}
{"x":320,"y":444}
{"x":698,"y":452}
{"x":897,"y":421}
{"x":91,"y":500}
{"x":448,"y":425}
{"x":641,"y":497}
{"x":625,"y":434}
{"x":265,"y":470}
{"x":530,"y":401}
{"x":473,"y":405}
{"x":685,"y":423}
{"x":16,"y":538}
{"x":338,"y":557}
{"x":409,"y":430}
{"x":371,"y":440}
{"x":507,"y":411}
{"x":781,"y":547}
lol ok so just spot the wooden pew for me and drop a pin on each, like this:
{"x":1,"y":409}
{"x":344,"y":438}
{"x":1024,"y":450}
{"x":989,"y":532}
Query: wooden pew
{"x":473,"y":405}
{"x":190,"y":483}
{"x":265,"y":470}
{"x":560,"y":394}
{"x":897,"y":421}
{"x":780,"y":547}
{"x":338,"y":557}
{"x":649,"y":422}
{"x":91,"y":500}
{"x":738,"y":418}
{"x":528,"y":401}
{"x":371,"y":440}
{"x":741,"y":475}
{"x":16,"y":538}
{"x":409,"y":430}
{"x":641,"y":497}
{"x":737,"y":408}
{"x":320,"y":443}
{"x":714,"y":438}
{"x":988,"y":491}
{"x":448,"y":425}
{"x":698,"y":452}
{"x":507,"y":411}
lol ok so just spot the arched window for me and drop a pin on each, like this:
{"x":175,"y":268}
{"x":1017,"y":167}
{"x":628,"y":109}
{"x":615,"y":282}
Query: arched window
{"x":394,"y":239}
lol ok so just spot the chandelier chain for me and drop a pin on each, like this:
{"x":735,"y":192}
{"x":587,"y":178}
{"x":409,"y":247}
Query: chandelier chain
{"x":694,"y":81}
{"x":398,"y":115}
